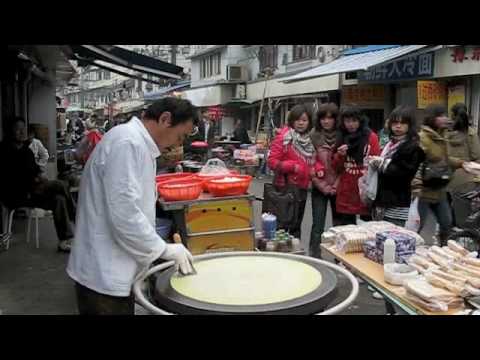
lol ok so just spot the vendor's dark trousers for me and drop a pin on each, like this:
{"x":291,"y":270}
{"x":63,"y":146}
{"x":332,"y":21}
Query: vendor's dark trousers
{"x":53,"y":195}
{"x":442,"y":212}
{"x":295,"y":228}
{"x":351,"y":219}
{"x":92,"y":303}
{"x":319,"y":214}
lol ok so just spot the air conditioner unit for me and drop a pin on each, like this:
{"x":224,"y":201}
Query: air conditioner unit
{"x":237,"y":73}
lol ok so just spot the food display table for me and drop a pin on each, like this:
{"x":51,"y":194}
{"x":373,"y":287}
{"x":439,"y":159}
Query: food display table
{"x":372,"y":273}
{"x":212,"y":224}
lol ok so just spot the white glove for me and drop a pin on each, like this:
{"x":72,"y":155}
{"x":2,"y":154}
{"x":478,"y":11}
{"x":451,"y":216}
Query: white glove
{"x":181,"y":256}
{"x":376,"y":161}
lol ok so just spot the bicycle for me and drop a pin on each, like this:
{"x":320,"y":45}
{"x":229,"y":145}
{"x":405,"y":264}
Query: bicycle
{"x":466,"y":208}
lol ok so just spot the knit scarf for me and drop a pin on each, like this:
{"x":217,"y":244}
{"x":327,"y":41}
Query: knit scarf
{"x":356,"y":144}
{"x":392,"y":146}
{"x":301,"y":143}
{"x":324,"y":137}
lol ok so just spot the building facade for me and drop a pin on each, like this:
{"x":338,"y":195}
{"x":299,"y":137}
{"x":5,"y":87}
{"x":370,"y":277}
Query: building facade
{"x":233,"y":80}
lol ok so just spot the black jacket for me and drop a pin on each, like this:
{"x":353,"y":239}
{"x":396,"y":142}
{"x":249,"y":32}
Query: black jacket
{"x":394,"y":183}
{"x":19,"y":171}
{"x":241,"y":134}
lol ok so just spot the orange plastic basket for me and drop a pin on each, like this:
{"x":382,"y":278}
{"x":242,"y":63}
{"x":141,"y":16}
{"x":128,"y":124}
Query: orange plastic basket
{"x":219,"y":189}
{"x":174,"y":176}
{"x":180,"y":190}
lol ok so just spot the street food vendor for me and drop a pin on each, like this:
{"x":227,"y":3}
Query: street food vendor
{"x":115,"y":238}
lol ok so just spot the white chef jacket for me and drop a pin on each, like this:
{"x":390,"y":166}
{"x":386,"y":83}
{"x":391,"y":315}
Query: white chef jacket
{"x":40,"y":153}
{"x":207,"y":128}
{"x":115,"y":237}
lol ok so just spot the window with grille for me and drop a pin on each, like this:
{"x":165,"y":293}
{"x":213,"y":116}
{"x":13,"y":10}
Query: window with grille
{"x":304,"y":52}
{"x":210,"y":65}
{"x":268,"y":57}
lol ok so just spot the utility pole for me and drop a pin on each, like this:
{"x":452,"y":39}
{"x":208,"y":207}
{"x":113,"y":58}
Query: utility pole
{"x":173,"y":49}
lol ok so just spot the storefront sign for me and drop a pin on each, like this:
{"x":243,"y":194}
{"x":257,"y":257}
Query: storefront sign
{"x":459,"y":54}
{"x":363,"y":95}
{"x":456,"y":94}
{"x":217,"y":112}
{"x":430,"y":92}
{"x":412,"y":67}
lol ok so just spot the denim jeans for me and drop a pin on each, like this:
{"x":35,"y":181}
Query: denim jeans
{"x":442,"y":212}
{"x":319,"y":215}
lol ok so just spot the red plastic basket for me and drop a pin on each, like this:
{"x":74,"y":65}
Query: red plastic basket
{"x":219,"y":189}
{"x":174,"y":176}
{"x":180,"y":190}
{"x":206,"y":178}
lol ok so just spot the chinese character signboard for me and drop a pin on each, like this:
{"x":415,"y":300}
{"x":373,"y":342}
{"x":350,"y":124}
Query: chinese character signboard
{"x":430,"y":92}
{"x":366,"y":95}
{"x":411,"y":67}
{"x":459,"y":54}
{"x":456,"y":94}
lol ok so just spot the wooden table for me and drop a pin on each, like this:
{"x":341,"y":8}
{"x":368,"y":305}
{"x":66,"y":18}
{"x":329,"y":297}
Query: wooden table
{"x":372,"y":273}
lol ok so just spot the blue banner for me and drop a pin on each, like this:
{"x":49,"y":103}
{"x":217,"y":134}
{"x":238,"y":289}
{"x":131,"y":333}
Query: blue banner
{"x":412,"y":67}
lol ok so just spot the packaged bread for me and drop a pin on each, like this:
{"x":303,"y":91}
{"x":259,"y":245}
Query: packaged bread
{"x":452,"y":253}
{"x":419,"y":260}
{"x":471,"y":261}
{"x":440,"y":261}
{"x":453,"y":245}
{"x":467,"y":270}
{"x":475,"y":282}
{"x":439,"y":251}
{"x":472,"y":290}
{"x":433,"y":306}
{"x":450,"y":277}
{"x":423,"y":289}
{"x":446,"y":284}
{"x":420,"y":269}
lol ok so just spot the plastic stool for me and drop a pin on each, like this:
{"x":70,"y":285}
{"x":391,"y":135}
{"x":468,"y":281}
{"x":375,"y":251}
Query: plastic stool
{"x":36,"y":213}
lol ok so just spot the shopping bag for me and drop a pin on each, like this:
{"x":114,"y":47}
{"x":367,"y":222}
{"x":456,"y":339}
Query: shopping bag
{"x":413,"y":221}
{"x":367,"y":186}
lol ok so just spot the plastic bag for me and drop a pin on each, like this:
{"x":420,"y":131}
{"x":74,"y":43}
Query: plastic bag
{"x":214,"y":167}
{"x":367,"y":186}
{"x":413,"y":222}
{"x":396,"y":274}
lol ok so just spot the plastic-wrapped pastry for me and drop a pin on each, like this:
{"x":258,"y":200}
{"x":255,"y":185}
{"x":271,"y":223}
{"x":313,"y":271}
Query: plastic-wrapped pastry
{"x":452,"y":253}
{"x":467,"y":270}
{"x":417,"y":267}
{"x":424,"y":290}
{"x":437,"y":259}
{"x":453,"y":245}
{"x":433,"y":306}
{"x":475,"y":282}
{"x":473,"y":262}
{"x":445,"y":284}
{"x":472,"y":290}
{"x":450,"y":277}
{"x":439,"y":251}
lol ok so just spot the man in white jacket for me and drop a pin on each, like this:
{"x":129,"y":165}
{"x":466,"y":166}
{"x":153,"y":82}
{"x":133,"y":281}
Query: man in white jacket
{"x":39,"y":151}
{"x":115,"y":238}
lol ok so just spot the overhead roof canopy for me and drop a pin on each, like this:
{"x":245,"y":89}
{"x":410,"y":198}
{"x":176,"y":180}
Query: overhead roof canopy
{"x":358,"y":61}
{"x":128,"y":59}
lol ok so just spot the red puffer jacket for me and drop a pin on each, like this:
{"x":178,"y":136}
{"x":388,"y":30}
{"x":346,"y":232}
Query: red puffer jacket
{"x":348,"y":197}
{"x":286,"y":160}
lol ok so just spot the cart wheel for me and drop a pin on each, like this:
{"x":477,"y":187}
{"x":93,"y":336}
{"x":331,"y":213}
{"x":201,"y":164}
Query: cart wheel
{"x":469,"y":239}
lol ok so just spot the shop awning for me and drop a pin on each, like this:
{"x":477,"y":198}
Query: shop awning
{"x":355,"y":62}
{"x":162,"y":92}
{"x":128,"y":59}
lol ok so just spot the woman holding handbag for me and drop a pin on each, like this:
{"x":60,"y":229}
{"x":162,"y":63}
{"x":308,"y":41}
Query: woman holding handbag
{"x":355,"y":144}
{"x":433,"y":176}
{"x":324,"y":190}
{"x":293,"y":159}
{"x":397,"y":166}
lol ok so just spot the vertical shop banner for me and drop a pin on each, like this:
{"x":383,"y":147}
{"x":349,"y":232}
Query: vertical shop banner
{"x":456,"y":94}
{"x":430,"y":92}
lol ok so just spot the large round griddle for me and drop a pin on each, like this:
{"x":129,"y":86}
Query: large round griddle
{"x":166,"y":297}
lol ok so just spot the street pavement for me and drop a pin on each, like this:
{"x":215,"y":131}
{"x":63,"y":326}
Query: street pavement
{"x":33,"y":281}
